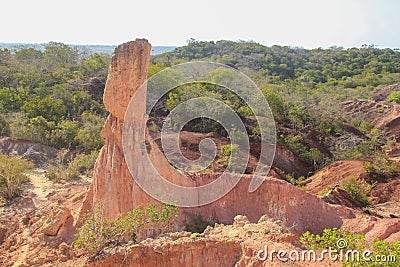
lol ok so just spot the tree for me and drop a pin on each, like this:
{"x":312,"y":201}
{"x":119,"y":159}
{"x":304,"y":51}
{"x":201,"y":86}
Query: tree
{"x":277,"y":104}
{"x":381,"y":167}
{"x":4,"y":127}
{"x":11,"y":99}
{"x":64,"y":135}
{"x":96,"y":65}
{"x":6,"y":70}
{"x":88,"y":137}
{"x":12,"y":175}
{"x":49,"y":108}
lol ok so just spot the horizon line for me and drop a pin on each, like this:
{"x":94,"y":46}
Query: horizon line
{"x":236,"y":41}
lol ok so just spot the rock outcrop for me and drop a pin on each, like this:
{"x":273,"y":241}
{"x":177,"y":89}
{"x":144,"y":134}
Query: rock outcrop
{"x":57,"y":219}
{"x":113,"y":183}
{"x":339,"y":196}
{"x":37,"y":153}
{"x":240,"y":244}
{"x":381,"y":115}
{"x":383,"y":93}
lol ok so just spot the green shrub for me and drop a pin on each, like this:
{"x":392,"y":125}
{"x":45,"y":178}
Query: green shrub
{"x":358,"y":190}
{"x":88,"y":137}
{"x":365,"y":127}
{"x":363,"y":149}
{"x":98,"y":232}
{"x":381,"y":167}
{"x":335,"y":239}
{"x":61,"y":172}
{"x":314,"y":156}
{"x":330,"y":237}
{"x":4,"y":127}
{"x":230,"y":152}
{"x":84,"y":163}
{"x":227,"y":150}
{"x":394,"y":97}
{"x":81,"y":165}
{"x":293,"y":180}
{"x":295,"y":144}
{"x":12,"y":176}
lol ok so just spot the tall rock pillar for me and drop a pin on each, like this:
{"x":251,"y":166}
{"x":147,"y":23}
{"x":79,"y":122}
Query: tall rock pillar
{"x":113,"y":183}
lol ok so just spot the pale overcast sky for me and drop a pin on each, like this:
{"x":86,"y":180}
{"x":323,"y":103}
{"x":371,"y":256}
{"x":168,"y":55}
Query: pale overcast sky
{"x":306,"y":23}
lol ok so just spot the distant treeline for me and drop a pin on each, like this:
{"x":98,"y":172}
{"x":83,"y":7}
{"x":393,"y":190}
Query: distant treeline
{"x":107,"y":49}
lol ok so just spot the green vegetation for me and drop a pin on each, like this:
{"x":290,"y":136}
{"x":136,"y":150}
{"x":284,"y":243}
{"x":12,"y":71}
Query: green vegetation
{"x":336,"y":68}
{"x":293,"y":180}
{"x":394,"y":96}
{"x":364,"y":148}
{"x":358,"y":190}
{"x":228,"y":151}
{"x":330,"y":237}
{"x":82,"y":164}
{"x":44,"y":96}
{"x":98,"y":232}
{"x":380,"y":167}
{"x":47,"y":97}
{"x":302,"y":87}
{"x":297,"y":145}
{"x":346,"y":242}
{"x":12,"y":176}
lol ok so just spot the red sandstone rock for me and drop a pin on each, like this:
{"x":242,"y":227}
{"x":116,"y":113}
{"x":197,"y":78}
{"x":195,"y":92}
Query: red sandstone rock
{"x":114,"y":185}
{"x":233,"y":245}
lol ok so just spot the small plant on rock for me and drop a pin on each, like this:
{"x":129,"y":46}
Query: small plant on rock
{"x":358,"y":190}
{"x":380,"y":168}
{"x":98,"y":232}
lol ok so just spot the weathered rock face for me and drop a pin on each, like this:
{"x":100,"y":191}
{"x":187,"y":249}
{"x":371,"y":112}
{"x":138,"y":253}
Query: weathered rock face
{"x":384,"y":116}
{"x":55,"y":221}
{"x":113,"y":183}
{"x":37,"y":153}
{"x":234,"y":245}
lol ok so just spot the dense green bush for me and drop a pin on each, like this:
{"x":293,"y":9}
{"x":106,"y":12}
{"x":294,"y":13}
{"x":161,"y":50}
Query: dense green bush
{"x":330,"y":237}
{"x":364,"y":148}
{"x":12,"y":176}
{"x":42,"y":97}
{"x":230,"y":154}
{"x":88,"y":137}
{"x":335,"y":67}
{"x":293,"y":180}
{"x":347,"y":243}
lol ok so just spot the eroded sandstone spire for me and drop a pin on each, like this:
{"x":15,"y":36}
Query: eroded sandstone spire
{"x":113,"y":184}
